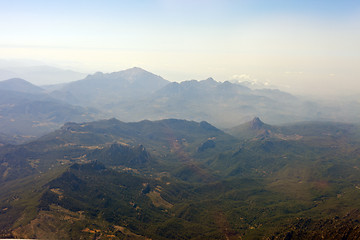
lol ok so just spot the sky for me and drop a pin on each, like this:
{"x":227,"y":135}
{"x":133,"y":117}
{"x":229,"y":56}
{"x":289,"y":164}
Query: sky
{"x":300,"y":46}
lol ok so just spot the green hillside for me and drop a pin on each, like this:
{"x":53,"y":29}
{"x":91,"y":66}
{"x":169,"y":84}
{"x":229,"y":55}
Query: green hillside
{"x":178,"y":179}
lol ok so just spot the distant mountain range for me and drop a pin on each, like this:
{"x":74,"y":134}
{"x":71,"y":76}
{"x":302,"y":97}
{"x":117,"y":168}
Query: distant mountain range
{"x":135,"y":94}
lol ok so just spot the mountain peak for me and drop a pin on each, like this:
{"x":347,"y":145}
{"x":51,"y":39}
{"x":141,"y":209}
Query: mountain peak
{"x":256,"y":123}
{"x":19,"y":85}
{"x":210,"y":79}
{"x":136,"y":69}
{"x":130,"y":75}
{"x":16,"y":80}
{"x":126,"y":74}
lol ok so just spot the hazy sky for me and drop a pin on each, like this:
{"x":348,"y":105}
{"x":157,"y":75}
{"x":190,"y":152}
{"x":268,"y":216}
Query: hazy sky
{"x":298,"y":45}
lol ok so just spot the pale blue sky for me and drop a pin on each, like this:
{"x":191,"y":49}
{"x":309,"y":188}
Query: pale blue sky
{"x":293,"y":44}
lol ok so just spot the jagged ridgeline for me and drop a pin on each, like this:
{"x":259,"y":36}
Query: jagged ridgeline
{"x":178,"y":179}
{"x":28,"y":111}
